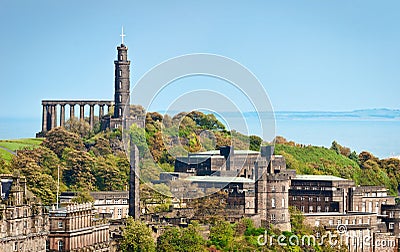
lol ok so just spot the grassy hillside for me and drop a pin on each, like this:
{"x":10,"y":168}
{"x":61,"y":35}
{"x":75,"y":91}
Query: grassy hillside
{"x":320,"y":160}
{"x":17,"y":144}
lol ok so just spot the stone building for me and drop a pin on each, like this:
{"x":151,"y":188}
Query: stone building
{"x":359,"y":231}
{"x":391,"y":217}
{"x":369,"y":199}
{"x":272,"y":189}
{"x":107,"y":204}
{"x":257,"y":182}
{"x":320,"y":193}
{"x":23,"y":220}
{"x":73,"y":228}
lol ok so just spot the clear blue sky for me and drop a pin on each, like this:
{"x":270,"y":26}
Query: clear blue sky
{"x":310,"y":54}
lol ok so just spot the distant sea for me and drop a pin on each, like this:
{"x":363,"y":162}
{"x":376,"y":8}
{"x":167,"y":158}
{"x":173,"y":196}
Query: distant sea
{"x":376,"y":130}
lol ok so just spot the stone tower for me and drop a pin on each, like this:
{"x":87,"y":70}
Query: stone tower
{"x":272,"y":189}
{"x":122,"y":82}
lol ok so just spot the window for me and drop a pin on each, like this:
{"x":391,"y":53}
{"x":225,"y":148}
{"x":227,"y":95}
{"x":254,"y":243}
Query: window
{"x":273,"y":188}
{"x":294,"y":197}
{"x":391,"y":214}
{"x":283,"y":188}
{"x":310,"y":209}
{"x":60,"y":245}
{"x":273,"y":218}
{"x":120,"y":85}
{"x":119,"y":98}
{"x":318,"y":198}
{"x":119,"y":211}
{"x":310,"y":199}
{"x":124,"y":201}
{"x":391,"y":225}
{"x":330,"y":222}
{"x":302,"y":208}
{"x":60,"y":224}
{"x":318,"y":209}
{"x":116,"y":201}
{"x":120,"y":73}
{"x":108,"y":201}
{"x":273,"y":203}
{"x":15,"y":246}
{"x":326,"y":199}
{"x":326,"y":209}
{"x":283,"y":216}
{"x":283,"y":203}
{"x":120,"y":57}
{"x":302,"y":198}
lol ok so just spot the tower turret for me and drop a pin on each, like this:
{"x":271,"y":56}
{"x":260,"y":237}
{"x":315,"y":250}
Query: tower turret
{"x":122,"y":81}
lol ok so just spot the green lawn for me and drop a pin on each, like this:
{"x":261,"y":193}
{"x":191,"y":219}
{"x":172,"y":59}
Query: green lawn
{"x":17,"y":144}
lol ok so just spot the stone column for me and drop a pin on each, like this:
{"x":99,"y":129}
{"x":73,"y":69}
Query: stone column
{"x":91,"y":116}
{"x":62,"y":115}
{"x":71,"y":111}
{"x":44,"y":119}
{"x":101,"y":111}
{"x":53,"y":117}
{"x":82,"y":112}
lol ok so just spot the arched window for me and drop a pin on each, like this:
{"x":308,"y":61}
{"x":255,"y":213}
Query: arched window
{"x":60,"y":245}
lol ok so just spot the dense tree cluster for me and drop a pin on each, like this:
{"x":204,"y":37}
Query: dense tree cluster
{"x":82,"y":166}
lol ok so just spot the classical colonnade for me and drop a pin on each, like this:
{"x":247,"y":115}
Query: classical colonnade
{"x":50,"y":107}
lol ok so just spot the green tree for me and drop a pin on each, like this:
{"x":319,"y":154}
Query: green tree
{"x":79,"y":127}
{"x":111,"y":173}
{"x":58,"y":139}
{"x":82,"y":197}
{"x":336,"y":147}
{"x":137,"y":236}
{"x":177,"y":239}
{"x":79,"y":170}
{"x":221,"y":235}
{"x":101,"y":147}
{"x":255,"y":142}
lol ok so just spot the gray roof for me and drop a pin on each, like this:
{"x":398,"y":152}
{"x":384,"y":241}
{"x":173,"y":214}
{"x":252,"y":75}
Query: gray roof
{"x":237,"y":152}
{"x":219,"y":179}
{"x":318,"y":177}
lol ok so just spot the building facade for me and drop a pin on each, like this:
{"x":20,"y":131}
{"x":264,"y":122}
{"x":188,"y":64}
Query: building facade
{"x":23,"y":220}
{"x":73,"y":228}
{"x":107,"y":204}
